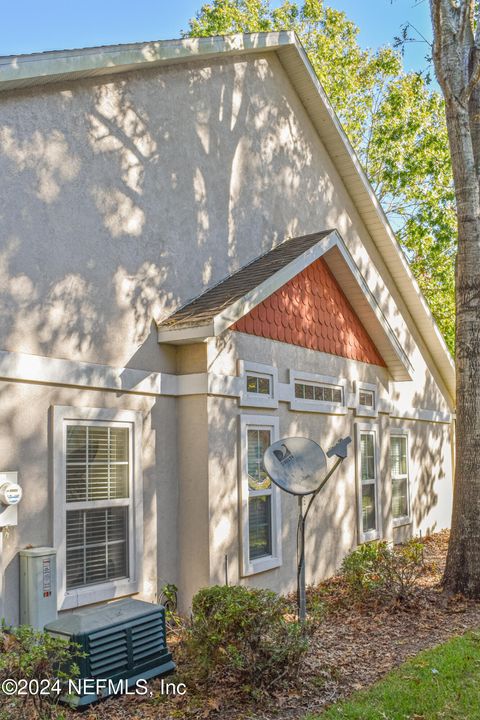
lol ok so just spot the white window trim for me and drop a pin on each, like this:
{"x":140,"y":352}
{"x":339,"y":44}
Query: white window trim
{"x":67,"y":599}
{"x":318,"y":406}
{"x":246,"y":399}
{"x":361,"y":428}
{"x":406,"y":519}
{"x":247,"y":566}
{"x":364,"y":410}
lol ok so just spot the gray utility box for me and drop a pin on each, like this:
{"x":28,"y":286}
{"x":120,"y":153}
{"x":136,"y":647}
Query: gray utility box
{"x":124,"y":640}
{"x":38,"y":586}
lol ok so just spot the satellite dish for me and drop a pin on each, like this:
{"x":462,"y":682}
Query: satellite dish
{"x":297,"y":465}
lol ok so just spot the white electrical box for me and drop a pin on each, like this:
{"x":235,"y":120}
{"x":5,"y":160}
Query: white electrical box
{"x":10,"y":496}
{"x":38,"y":586}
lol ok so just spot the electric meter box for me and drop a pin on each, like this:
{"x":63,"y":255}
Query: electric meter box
{"x":38,"y":586}
{"x":10,"y":496}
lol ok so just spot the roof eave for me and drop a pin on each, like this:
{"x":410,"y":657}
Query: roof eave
{"x":42,"y":68}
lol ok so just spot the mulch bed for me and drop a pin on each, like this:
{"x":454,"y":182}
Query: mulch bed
{"x":352,"y":646}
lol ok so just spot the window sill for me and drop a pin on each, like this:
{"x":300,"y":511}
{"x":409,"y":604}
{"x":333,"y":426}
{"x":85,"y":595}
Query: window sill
{"x":98,"y":593}
{"x":260,"y":402}
{"x":400,"y":522}
{"x":261,"y":565}
{"x":318,"y":407}
{"x":369,"y":536}
{"x":366,"y":412}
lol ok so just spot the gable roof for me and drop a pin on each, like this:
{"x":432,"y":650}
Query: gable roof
{"x":42,"y":68}
{"x":238,"y":288}
{"x":223,"y":305}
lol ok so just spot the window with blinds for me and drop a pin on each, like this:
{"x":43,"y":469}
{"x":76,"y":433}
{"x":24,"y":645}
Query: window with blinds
{"x":98,"y":503}
{"x":368,"y":483}
{"x":399,"y":471}
{"x":259,"y":495}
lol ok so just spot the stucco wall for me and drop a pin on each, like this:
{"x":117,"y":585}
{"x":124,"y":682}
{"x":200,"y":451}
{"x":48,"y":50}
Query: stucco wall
{"x":26,"y":446}
{"x":132,"y":178}
{"x":332,"y":528}
{"x":123,"y":198}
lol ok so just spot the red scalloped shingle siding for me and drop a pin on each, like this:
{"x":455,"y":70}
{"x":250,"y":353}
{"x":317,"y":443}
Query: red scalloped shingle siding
{"x":312,"y":311}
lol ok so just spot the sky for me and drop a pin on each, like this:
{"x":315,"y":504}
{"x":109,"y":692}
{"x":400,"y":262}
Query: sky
{"x":36,"y":25}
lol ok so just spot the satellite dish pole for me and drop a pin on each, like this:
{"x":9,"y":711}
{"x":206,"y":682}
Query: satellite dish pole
{"x":299,"y":466}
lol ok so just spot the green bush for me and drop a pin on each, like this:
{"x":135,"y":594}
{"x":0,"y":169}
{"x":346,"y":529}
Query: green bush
{"x":35,"y":661}
{"x":386,"y":572}
{"x":243,"y":634}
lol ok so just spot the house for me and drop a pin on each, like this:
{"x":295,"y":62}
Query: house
{"x":193,"y":265}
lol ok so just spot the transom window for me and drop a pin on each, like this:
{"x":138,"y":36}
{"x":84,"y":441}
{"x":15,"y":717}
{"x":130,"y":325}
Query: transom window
{"x":399,"y":471}
{"x":259,"y":384}
{"x":366,"y":398}
{"x":368,"y":481}
{"x":319,"y":392}
{"x":98,"y":503}
{"x":259,"y":495}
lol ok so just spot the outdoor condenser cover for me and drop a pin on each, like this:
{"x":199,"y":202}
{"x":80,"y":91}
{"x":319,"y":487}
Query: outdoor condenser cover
{"x":125,"y":639}
{"x":38,"y":586}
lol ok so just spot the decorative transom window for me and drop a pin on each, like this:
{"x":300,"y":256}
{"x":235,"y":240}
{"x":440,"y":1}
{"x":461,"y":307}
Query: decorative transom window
{"x":260,"y":498}
{"x":259,"y":384}
{"x":366,"y":398}
{"x":400,"y":480}
{"x":319,"y":392}
{"x":98,"y":497}
{"x":368,"y":486}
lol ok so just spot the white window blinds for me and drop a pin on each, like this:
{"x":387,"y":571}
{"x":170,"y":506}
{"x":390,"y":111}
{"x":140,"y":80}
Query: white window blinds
{"x":98,"y":503}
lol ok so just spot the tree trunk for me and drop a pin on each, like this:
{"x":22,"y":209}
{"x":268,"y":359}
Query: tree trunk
{"x":462,"y":573}
{"x":456,"y":58}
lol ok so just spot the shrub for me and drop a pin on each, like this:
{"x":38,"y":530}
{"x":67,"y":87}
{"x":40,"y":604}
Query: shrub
{"x":389,"y":573}
{"x":244,"y":634}
{"x":31,"y":657}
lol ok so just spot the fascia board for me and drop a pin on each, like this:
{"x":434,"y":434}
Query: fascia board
{"x":42,"y":68}
{"x":182,"y":336}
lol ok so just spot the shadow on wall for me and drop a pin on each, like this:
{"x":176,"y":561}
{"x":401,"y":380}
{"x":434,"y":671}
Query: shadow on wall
{"x":128,"y":197}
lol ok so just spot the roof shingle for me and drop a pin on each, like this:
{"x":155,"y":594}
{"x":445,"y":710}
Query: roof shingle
{"x":202,"y":310}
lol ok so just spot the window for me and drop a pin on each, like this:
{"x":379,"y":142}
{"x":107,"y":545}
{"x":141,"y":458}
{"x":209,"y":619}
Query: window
{"x":259,"y":384}
{"x":98,"y":496}
{"x":321,"y":393}
{"x":369,"y":520}
{"x":400,"y":484}
{"x":310,"y":392}
{"x":97,"y":474}
{"x":260,"y":498}
{"x":367,"y":398}
{"x":259,"y":495}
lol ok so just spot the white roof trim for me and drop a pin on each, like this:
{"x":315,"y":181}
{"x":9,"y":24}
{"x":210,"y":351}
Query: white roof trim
{"x":401,"y":369}
{"x":42,"y":68}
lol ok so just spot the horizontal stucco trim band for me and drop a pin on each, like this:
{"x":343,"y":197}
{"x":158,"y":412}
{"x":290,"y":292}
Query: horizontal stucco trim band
{"x":38,"y":369}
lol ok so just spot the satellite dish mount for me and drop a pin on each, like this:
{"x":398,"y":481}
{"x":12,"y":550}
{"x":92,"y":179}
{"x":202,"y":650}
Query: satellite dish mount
{"x":299,"y":466}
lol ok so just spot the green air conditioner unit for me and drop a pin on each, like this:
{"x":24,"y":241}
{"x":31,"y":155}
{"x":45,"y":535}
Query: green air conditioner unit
{"x":122,"y":641}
